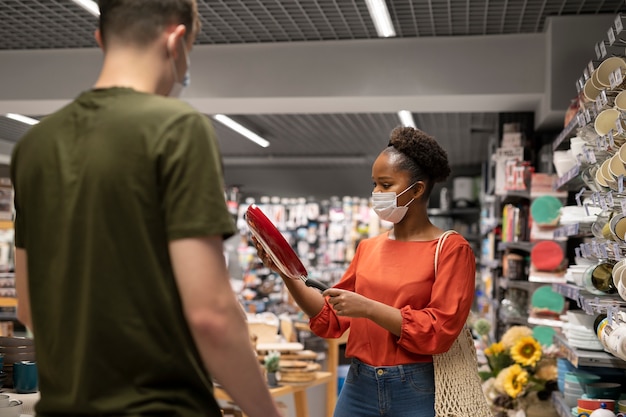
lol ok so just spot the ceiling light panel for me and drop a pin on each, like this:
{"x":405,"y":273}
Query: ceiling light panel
{"x":46,"y":24}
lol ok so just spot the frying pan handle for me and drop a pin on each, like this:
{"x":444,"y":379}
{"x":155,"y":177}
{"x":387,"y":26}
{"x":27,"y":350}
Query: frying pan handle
{"x":316,"y":284}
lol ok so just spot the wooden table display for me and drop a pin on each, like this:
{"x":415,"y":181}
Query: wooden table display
{"x":297,"y":389}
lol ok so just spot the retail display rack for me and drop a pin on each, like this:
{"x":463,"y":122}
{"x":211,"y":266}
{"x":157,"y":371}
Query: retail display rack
{"x":589,"y":189}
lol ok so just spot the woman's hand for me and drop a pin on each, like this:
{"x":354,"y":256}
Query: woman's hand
{"x":348,"y":303}
{"x":264,"y":256}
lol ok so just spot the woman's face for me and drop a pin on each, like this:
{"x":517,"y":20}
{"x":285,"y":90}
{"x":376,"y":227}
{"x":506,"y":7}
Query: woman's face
{"x":387,"y":178}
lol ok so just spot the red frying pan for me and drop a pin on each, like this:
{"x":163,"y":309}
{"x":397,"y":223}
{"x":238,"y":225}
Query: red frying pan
{"x":278,"y":248}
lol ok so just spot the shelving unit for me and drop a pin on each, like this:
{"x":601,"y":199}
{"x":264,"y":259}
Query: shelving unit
{"x":559,"y":404}
{"x":579,"y":357}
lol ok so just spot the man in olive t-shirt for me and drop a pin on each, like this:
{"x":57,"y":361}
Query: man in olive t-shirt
{"x":120,"y":216}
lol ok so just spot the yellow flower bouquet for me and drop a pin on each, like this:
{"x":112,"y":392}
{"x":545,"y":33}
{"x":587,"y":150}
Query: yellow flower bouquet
{"x":517,"y":366}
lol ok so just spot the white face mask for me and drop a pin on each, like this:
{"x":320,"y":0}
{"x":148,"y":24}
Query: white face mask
{"x":179,"y":85}
{"x":386,"y":205}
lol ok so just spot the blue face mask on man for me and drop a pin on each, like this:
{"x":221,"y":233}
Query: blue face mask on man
{"x":179,"y":85}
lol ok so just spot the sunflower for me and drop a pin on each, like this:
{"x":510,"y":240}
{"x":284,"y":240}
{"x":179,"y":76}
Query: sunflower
{"x":494,"y":349}
{"x":513,"y":379}
{"x":526,"y":351}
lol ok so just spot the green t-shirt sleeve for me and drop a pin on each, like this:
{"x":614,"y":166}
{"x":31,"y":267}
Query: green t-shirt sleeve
{"x":191,"y":180}
{"x":18,"y":221}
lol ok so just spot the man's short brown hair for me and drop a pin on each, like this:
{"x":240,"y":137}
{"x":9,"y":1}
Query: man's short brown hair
{"x":139,"y":22}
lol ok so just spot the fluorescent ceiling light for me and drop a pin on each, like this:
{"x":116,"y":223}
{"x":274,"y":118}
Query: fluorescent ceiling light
{"x":242,"y":130}
{"x":406,"y":118}
{"x":89,"y":5}
{"x":24,"y":119}
{"x":382,"y":20}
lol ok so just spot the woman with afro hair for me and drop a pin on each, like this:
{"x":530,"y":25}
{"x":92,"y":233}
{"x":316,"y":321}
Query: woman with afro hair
{"x":398,"y":313}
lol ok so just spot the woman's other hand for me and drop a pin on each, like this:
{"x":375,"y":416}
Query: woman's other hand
{"x":348,"y":303}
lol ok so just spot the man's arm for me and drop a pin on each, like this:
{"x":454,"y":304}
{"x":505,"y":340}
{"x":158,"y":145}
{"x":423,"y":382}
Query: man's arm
{"x":218,"y":327}
{"x":21,"y":287}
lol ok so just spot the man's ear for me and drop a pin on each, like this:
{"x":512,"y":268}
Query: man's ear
{"x":174,"y":39}
{"x":98,"y":36}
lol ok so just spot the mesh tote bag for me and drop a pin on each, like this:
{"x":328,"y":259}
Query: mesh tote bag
{"x":458,"y":390}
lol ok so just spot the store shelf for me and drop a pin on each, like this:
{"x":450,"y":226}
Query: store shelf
{"x":516,"y":283}
{"x":515,"y":194}
{"x":491,"y":263}
{"x":579,"y":357}
{"x":455,"y":212}
{"x":8,"y":316}
{"x":514,"y":320}
{"x":559,"y":404}
{"x":566,"y":133}
{"x":571,"y":180}
{"x":587,"y":301}
{"x":540,"y":321}
{"x":523,"y":246}
{"x":546,"y":278}
{"x":573,"y":230}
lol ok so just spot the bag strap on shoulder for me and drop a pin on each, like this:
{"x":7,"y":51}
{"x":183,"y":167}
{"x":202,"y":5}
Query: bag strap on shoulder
{"x":440,"y":243}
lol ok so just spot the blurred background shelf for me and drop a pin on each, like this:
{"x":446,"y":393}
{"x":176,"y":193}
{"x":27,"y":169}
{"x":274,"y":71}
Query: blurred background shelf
{"x":579,"y":357}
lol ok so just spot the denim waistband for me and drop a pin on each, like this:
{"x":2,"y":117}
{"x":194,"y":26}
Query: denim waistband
{"x":396,"y":371}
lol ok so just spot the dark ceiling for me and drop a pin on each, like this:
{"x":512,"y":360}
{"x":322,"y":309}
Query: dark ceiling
{"x":307,"y":149}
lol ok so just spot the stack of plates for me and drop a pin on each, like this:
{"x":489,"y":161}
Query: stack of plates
{"x":581,"y":337}
{"x":15,"y":349}
{"x":573,"y":390}
{"x":575,"y":273}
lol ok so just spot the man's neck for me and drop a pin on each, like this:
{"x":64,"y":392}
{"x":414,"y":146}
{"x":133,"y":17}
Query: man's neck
{"x":128,"y":68}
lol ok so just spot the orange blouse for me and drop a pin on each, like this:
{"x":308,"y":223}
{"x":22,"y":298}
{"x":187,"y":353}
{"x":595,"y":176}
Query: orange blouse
{"x":402,"y":275}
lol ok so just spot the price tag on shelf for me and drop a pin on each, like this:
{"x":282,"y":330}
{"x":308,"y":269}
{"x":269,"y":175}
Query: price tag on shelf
{"x":581,"y":120}
{"x":586,"y":73}
{"x":586,"y":206}
{"x":602,"y":50}
{"x":620,"y":184}
{"x":619,"y":77}
{"x":618,"y":24}
{"x":594,"y":248}
{"x":590,"y":68}
{"x":578,"y":253}
{"x":611,"y":35}
{"x":609,"y":198}
{"x":579,"y":195}
{"x":610,"y":312}
{"x":603,"y":204}
{"x":595,"y":198}
{"x":604,"y":98}
{"x":591,"y":157}
{"x":587,"y":116}
{"x":616,"y":251}
{"x":598,"y":104}
{"x":611,"y":139}
{"x":603,"y":251}
{"x":598,"y":52}
{"x":622,"y":204}
{"x":612,"y":80}
{"x":579,"y":158}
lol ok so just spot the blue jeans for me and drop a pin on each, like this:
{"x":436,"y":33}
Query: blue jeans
{"x":388,"y":391}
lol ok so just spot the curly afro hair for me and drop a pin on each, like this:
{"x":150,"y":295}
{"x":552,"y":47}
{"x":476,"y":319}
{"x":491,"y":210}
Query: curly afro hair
{"x":419,"y":154}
